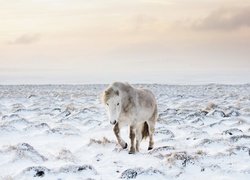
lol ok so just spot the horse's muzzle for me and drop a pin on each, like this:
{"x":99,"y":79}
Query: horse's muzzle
{"x":113,"y":123}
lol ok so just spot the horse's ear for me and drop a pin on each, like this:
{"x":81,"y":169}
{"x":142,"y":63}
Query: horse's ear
{"x":117,"y":93}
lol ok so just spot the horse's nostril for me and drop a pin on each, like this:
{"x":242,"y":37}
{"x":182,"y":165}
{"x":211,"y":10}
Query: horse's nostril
{"x":113,"y":122}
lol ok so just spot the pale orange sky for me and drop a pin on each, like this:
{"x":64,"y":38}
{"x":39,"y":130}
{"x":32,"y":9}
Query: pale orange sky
{"x":44,"y":41}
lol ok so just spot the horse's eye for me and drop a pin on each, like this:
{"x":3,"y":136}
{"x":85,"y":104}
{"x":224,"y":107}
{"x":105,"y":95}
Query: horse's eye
{"x":107,"y":104}
{"x":117,"y":104}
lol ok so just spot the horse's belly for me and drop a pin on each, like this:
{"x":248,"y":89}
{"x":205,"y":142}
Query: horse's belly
{"x":143,"y":112}
{"x":144,"y":115}
{"x":137,"y":117}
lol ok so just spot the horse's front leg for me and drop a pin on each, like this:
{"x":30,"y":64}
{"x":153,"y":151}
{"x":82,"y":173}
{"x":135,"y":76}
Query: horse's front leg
{"x":132,"y":139}
{"x":138,"y":138}
{"x":116,"y":129}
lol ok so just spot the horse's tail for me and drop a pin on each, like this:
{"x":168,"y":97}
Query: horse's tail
{"x":144,"y":130}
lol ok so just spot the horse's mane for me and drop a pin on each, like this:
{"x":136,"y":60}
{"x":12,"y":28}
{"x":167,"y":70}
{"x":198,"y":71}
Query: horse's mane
{"x":110,"y":92}
{"x":113,"y":90}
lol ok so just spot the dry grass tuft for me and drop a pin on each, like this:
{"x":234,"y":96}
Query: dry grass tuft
{"x":6,"y":178}
{"x":8,"y":148}
{"x":179,"y":174}
{"x":241,"y":121}
{"x":209,"y":107}
{"x":70,"y":108}
{"x":231,"y":151}
{"x":200,"y":152}
{"x":103,"y":142}
{"x":247,"y":110}
{"x":66,"y":155}
{"x":173,"y":157}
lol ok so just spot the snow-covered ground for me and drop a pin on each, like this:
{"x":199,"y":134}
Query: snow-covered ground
{"x":62,"y":132}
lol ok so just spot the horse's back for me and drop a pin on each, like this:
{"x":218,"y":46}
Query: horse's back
{"x":146,"y":95}
{"x":146,"y":102}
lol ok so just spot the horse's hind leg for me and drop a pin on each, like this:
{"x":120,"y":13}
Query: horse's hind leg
{"x":132,"y":132}
{"x":138,"y":138}
{"x":116,"y":129}
{"x":151,"y":129}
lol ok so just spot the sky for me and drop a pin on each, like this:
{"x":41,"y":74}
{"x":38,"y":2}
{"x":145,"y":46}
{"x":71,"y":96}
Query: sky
{"x":138,"y":41}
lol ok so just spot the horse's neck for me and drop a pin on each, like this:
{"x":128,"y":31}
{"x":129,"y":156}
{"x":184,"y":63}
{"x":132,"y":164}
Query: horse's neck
{"x":129,"y":95}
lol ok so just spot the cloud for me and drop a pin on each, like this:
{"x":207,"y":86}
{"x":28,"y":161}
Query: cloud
{"x":224,"y":19}
{"x":26,"y":39}
{"x":143,"y":22}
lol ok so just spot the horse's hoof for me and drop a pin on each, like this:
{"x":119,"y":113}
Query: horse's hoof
{"x":150,"y":148}
{"x":131,"y":152}
{"x":125,"y":146}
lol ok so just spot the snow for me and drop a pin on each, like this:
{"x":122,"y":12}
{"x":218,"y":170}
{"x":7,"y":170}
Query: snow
{"x":62,"y":132}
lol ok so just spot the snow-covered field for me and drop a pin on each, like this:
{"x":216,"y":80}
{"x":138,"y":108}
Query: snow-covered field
{"x":62,"y":132}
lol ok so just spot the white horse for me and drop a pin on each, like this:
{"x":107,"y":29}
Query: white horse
{"x":137,"y":108}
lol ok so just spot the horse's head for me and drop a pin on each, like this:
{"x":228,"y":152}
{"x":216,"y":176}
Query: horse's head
{"x":112,"y":102}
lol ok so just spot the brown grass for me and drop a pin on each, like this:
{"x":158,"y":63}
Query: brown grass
{"x":210,"y":106}
{"x":6,"y":177}
{"x":200,"y":152}
{"x":103,"y":142}
{"x":8,"y":148}
{"x":241,"y":121}
{"x":70,"y":108}
{"x":65,"y":154}
{"x":173,"y":157}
